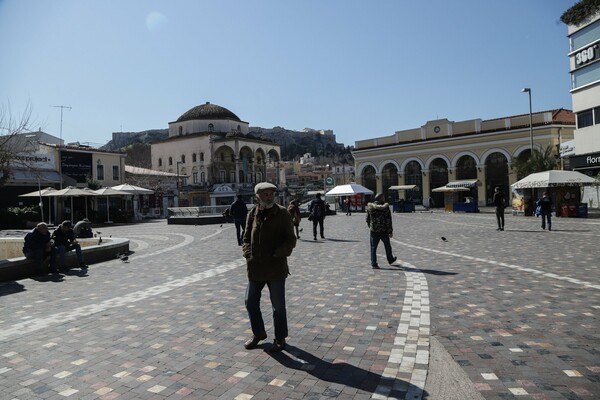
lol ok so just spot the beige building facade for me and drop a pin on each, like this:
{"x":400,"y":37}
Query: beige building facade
{"x":215,"y":157}
{"x":442,"y":151}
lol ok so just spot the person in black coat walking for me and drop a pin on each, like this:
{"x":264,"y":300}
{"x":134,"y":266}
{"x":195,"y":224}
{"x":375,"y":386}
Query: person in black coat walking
{"x":545,"y":204}
{"x":317,"y":211}
{"x":239,"y":211}
{"x":499,"y":203}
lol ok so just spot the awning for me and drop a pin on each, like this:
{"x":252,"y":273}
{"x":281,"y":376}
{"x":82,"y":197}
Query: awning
{"x":31,"y":176}
{"x":404,"y":187}
{"x":463,"y":184}
{"x":450,"y":189}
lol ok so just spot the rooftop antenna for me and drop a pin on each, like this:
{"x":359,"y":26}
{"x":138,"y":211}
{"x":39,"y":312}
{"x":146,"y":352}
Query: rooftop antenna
{"x":61,"y":142}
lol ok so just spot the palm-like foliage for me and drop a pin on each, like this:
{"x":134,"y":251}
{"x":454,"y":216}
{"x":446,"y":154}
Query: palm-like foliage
{"x":540,"y":160}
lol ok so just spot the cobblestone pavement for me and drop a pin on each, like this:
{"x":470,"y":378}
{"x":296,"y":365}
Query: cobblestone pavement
{"x":516,"y":312}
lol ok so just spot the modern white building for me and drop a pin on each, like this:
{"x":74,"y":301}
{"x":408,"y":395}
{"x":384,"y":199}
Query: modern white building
{"x":584,"y":59}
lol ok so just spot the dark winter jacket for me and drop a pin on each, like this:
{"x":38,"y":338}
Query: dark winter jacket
{"x":317,"y":209}
{"x":62,"y":238}
{"x":379,"y":217}
{"x":34,"y":240}
{"x":545,"y":204}
{"x":238,"y":209}
{"x":498,"y":200}
{"x":268,"y":240}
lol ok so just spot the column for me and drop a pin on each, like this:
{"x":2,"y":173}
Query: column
{"x":481,"y":200}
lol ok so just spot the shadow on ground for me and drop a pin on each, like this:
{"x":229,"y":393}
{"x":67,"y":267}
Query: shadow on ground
{"x":342,"y":373}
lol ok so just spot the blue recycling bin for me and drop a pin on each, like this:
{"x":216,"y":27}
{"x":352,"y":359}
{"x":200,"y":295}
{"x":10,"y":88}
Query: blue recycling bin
{"x":582,"y":210}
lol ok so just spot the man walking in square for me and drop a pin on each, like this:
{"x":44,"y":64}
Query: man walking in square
{"x":379,"y":221}
{"x":268,"y":241}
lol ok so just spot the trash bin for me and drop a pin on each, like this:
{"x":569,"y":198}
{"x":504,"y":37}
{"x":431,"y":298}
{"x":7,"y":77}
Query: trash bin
{"x":568,"y":210}
{"x":582,"y":210}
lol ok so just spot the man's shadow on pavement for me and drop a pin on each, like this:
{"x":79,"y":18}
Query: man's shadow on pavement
{"x":425,"y":271}
{"x":342,"y":373}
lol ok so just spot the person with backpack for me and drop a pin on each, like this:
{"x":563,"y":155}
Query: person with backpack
{"x":379,"y":221}
{"x":499,"y":203}
{"x":317,"y":211}
{"x":268,"y":242}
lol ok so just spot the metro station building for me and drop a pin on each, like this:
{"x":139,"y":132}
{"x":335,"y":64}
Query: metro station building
{"x":476,"y":151}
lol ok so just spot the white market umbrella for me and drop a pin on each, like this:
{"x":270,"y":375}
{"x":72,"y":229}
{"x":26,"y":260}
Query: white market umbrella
{"x":553,"y":178}
{"x":41,"y":193}
{"x":350,"y":189}
{"x":450,"y":189}
{"x":132,"y":189}
{"x":108,"y":191}
{"x":71,"y":192}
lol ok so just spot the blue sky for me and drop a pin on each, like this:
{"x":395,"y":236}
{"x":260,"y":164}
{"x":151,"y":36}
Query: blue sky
{"x":360,"y":68}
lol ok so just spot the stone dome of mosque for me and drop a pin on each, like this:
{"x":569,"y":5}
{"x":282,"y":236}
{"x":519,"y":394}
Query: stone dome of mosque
{"x":208,"y":111}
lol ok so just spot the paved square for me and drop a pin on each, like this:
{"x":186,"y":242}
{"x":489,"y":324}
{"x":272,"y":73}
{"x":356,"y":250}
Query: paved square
{"x":510,"y":314}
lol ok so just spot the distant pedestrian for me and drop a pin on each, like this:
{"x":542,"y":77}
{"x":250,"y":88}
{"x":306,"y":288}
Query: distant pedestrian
{"x":317,"y":211}
{"x":239,"y":211}
{"x":268,"y":242}
{"x":545,"y":204}
{"x":379,"y":221}
{"x":38,"y":247}
{"x":294,"y":211}
{"x":65,"y":241}
{"x":499,"y":203}
{"x":348,"y":206}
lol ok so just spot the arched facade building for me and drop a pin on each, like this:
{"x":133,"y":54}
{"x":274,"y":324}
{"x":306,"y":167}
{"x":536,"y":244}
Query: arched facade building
{"x":442,"y":151}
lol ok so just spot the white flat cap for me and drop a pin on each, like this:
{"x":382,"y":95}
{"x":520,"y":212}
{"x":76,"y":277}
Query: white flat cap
{"x":264,"y":186}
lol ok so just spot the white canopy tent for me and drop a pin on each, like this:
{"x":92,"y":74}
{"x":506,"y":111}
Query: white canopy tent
{"x":350,"y":189}
{"x":553,"y":178}
{"x":107,"y":192}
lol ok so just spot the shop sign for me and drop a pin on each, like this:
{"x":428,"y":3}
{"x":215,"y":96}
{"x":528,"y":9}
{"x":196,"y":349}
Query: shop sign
{"x":76,"y":165}
{"x":567,"y":148}
{"x":588,"y":160}
{"x":587,"y":55}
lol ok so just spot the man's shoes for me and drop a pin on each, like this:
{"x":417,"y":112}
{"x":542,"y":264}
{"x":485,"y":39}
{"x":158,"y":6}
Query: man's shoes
{"x":393,"y":261}
{"x":315,"y":238}
{"x":253,"y":342}
{"x":502,"y":228}
{"x":549,"y":228}
{"x":322,"y":237}
{"x":83,"y":266}
{"x":375,"y":266}
{"x":498,"y":229}
{"x":278,"y":345}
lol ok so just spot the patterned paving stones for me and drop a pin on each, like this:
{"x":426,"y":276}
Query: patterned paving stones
{"x":516,"y":313}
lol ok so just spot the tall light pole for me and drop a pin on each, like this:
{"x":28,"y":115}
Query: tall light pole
{"x":528,"y":91}
{"x":61,"y":142}
{"x":178,"y":162}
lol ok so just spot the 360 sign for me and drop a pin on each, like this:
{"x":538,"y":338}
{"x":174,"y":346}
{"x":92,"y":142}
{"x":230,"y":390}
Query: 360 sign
{"x":586,"y":55}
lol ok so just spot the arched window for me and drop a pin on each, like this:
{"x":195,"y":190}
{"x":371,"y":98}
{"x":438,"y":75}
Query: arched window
{"x":211,"y":128}
{"x":193,"y":157}
{"x":202,"y":177}
{"x":180,"y":130}
{"x":201,"y":156}
{"x":160,"y":162}
{"x":170,"y":160}
{"x":183,"y":158}
{"x":222,"y":156}
{"x":239,"y":128}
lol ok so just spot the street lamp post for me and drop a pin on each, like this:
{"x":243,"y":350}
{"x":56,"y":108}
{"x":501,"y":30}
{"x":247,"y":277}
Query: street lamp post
{"x":528,"y":91}
{"x":178,"y":162}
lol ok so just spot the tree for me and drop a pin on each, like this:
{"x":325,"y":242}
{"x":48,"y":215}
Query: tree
{"x":12,"y":142}
{"x":540,"y":160}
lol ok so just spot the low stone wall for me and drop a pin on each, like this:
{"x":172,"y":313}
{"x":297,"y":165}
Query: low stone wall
{"x":13,"y":267}
{"x":203,"y":220}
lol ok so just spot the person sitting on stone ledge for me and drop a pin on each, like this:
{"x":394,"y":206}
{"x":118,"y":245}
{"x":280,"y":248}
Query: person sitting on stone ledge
{"x":38,"y":247}
{"x":64,"y":241}
{"x":83,"y":229}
